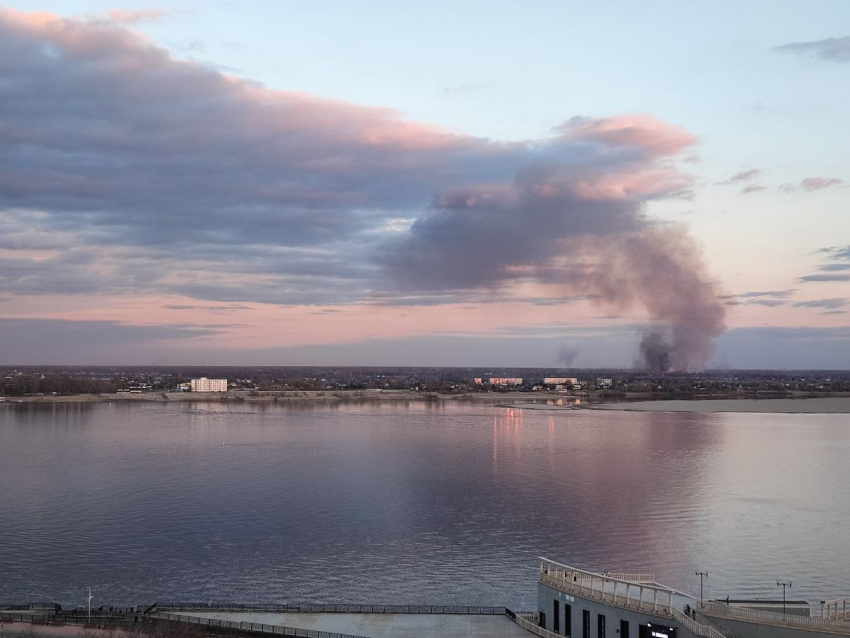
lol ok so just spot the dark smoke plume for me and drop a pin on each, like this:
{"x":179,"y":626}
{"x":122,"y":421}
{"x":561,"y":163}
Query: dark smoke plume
{"x":580,"y":225}
{"x":660,"y":269}
{"x":566,"y":356}
{"x":654,"y":352}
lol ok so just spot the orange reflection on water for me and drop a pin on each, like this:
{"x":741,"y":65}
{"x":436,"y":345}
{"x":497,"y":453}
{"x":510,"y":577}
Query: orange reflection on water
{"x":508,"y":420}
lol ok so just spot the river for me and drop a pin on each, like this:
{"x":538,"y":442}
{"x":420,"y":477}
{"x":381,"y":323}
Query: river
{"x":419,"y":503}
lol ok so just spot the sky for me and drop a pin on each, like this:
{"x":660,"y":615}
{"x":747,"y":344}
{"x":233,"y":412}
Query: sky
{"x":279,"y":182}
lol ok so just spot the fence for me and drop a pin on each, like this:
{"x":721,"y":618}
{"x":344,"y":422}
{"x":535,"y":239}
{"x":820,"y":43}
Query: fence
{"x":836,"y":609}
{"x":696,"y":628}
{"x":772,"y":618}
{"x":633,"y":578}
{"x":59,"y":620}
{"x":585,"y":587}
{"x":11,"y":616}
{"x":531,"y":626}
{"x":277,"y":630}
{"x":328,"y":608}
{"x":29,"y":606}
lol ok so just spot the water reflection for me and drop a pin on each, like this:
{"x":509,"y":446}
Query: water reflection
{"x":410,"y":502}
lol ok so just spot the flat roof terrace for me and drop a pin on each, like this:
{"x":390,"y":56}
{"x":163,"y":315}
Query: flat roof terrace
{"x":381,"y":625}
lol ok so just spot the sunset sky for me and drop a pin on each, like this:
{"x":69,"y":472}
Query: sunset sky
{"x":284,"y":182}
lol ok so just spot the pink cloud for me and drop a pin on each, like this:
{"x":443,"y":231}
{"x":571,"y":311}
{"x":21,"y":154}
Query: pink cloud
{"x":752,"y":188}
{"x":639,"y":131}
{"x":658,"y":183}
{"x":817,"y":183}
{"x":130,"y":16}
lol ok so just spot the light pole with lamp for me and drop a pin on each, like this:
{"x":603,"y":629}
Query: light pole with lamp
{"x":784,"y":586}
{"x":90,"y":597}
{"x":701,"y":576}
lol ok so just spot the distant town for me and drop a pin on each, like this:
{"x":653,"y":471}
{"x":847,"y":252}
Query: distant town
{"x":593,"y":385}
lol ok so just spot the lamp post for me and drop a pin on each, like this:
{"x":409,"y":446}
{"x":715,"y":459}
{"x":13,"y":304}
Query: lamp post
{"x":90,"y":597}
{"x":784,"y":586}
{"x":701,"y":576}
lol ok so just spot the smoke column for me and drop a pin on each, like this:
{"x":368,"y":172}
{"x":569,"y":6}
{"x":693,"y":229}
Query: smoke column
{"x":660,"y":269}
{"x":654,"y":352}
{"x":575,"y":216}
{"x":566,"y":356}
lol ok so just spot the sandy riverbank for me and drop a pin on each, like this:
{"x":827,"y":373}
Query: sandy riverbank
{"x":290,"y":396}
{"x":826,"y":405}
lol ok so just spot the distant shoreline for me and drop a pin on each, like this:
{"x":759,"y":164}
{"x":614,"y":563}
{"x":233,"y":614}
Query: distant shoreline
{"x":249,"y":396}
{"x":516,"y":400}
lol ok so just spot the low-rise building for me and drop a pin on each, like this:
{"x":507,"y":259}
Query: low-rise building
{"x":560,"y":381}
{"x":209,"y":385}
{"x":505,"y":380}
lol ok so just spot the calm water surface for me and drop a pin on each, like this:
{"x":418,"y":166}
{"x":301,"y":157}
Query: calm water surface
{"x":415,"y":503}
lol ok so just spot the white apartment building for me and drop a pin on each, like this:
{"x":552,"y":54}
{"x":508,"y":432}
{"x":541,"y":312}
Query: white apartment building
{"x":209,"y":385}
{"x":505,"y":380}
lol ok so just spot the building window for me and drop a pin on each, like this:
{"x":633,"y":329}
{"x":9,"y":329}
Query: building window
{"x":568,"y":620}
{"x":585,"y":624}
{"x":624,"y":629}
{"x":600,"y":626}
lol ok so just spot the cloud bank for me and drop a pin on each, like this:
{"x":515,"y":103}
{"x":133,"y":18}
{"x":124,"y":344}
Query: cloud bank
{"x":123,"y":169}
{"x":830,"y":49}
{"x":838,"y":258}
{"x":58,"y":341}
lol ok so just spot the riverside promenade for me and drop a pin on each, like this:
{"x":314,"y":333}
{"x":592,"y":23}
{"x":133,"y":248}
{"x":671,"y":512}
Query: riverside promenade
{"x":300,"y":621}
{"x":381,"y":625}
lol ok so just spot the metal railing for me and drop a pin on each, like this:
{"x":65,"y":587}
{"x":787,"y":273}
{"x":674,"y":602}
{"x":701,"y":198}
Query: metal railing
{"x":605,"y":588}
{"x":836,"y":609}
{"x":697,"y":628}
{"x":745,"y":614}
{"x":334,"y":608}
{"x":533,"y":627}
{"x":719,"y":628}
{"x":260,"y":628}
{"x":29,"y":606}
{"x":15,"y":616}
{"x":633,"y":578}
{"x":59,"y":620}
{"x":692,"y":625}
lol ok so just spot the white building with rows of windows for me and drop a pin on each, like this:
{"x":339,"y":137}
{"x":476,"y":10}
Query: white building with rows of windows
{"x":209,"y":385}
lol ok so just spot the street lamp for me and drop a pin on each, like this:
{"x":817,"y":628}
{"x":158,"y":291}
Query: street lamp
{"x":90,"y":597}
{"x":784,"y":586}
{"x":701,"y":576}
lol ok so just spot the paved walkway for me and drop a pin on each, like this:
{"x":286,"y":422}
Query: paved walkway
{"x":384,"y":625}
{"x":25,"y":630}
